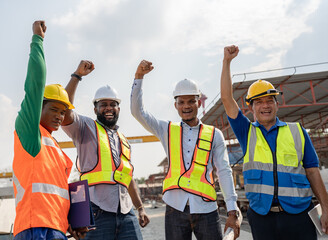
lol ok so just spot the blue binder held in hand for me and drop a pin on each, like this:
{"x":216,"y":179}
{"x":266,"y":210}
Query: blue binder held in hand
{"x":80,"y":212}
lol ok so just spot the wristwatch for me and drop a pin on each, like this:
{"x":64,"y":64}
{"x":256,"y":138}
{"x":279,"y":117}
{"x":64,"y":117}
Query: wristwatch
{"x":233,"y":213}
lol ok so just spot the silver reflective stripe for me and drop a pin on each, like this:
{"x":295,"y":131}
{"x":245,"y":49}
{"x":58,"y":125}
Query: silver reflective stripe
{"x":258,"y":188}
{"x":269,"y":167}
{"x":50,"y":143}
{"x":297,"y":140}
{"x":294,"y":192}
{"x":20,"y":190}
{"x":258,"y":165}
{"x":282,"y":191}
{"x":51,"y":189}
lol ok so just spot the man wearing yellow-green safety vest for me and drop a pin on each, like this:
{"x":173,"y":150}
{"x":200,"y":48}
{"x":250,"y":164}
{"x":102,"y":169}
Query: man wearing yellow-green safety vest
{"x":104,"y":159}
{"x":193,"y":150}
{"x":280,"y":163}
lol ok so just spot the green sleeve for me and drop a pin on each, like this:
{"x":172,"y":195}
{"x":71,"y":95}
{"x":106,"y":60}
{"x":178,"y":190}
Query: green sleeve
{"x":28,"y":119}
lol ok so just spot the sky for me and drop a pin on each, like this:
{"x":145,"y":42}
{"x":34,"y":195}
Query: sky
{"x":182,"y":38}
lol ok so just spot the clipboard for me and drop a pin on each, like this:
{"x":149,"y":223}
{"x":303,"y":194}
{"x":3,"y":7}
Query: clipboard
{"x":80,"y":212}
{"x":315,"y":214}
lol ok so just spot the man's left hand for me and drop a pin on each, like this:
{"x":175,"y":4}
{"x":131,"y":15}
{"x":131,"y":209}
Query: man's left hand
{"x":233,"y":223}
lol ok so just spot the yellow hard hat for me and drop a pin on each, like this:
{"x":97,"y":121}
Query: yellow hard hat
{"x":260,"y":88}
{"x":58,"y":93}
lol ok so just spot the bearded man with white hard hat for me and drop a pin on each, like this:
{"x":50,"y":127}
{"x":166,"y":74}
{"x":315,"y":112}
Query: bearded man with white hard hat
{"x":193,"y":150}
{"x":104,"y":159}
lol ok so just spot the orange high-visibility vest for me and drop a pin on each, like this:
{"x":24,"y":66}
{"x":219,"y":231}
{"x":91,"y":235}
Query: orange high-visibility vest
{"x":105,"y":171}
{"x":40,"y":186}
{"x":192,"y":180}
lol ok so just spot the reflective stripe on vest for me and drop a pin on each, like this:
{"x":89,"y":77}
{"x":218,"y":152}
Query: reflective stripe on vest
{"x":41,"y":186}
{"x":105,"y":170}
{"x":194,"y":179}
{"x":258,"y":170}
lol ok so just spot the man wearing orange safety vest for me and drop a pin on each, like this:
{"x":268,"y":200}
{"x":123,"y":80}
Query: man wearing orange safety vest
{"x":41,"y":169}
{"x":280,"y":163}
{"x":104,"y":159}
{"x":193,"y":150}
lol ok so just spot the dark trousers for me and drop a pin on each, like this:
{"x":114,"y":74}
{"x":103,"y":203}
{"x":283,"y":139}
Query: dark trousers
{"x":180,"y":225}
{"x":281,"y":225}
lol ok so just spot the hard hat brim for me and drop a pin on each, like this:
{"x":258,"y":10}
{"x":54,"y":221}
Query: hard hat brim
{"x":270,"y":92}
{"x":67,"y":104}
{"x":113,"y":99}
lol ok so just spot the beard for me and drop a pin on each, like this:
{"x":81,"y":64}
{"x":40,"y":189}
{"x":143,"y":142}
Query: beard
{"x":108,"y":123}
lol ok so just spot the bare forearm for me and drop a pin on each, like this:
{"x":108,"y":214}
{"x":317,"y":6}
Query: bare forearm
{"x":71,"y":88}
{"x":228,"y":101}
{"x":318,"y":187}
{"x":133,"y":191}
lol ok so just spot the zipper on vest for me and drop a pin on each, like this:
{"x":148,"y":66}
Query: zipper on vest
{"x":275,"y":170}
{"x":275,"y":176}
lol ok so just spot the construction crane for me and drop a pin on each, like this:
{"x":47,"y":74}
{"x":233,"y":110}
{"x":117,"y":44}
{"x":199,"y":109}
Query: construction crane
{"x":69,"y":144}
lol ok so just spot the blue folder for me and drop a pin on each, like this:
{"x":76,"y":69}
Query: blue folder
{"x":80,"y":212}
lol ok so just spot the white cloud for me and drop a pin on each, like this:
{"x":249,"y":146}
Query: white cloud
{"x":189,"y":25}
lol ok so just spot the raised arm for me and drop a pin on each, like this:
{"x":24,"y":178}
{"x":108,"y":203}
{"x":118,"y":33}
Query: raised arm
{"x":85,"y":67}
{"x":146,"y":119}
{"x":230,"y":105}
{"x":28,"y":119}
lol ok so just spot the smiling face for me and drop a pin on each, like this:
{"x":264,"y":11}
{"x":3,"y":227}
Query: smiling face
{"x":265,"y":110}
{"x":52,"y":115}
{"x":187,"y":106}
{"x":107,"y":112}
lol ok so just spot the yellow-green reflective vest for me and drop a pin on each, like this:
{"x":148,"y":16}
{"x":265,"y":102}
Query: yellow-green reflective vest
{"x":105,"y":171}
{"x":192,"y":180}
{"x":278,"y":174}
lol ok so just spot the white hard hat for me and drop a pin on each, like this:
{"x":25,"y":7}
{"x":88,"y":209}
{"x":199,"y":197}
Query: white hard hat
{"x":186,"y":87}
{"x":106,"y":92}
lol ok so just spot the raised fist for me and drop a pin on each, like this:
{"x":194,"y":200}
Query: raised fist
{"x":85,"y":67}
{"x":230,"y":52}
{"x":39,"y":28}
{"x":143,"y":68}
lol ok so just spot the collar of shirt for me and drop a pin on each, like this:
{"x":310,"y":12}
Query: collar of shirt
{"x":187,"y":126}
{"x":277,"y":124}
{"x":107,"y":128}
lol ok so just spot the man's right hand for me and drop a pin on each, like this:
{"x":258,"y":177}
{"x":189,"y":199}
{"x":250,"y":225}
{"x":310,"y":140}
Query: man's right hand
{"x":39,"y":28}
{"x":230,"y":52}
{"x":85,"y":67}
{"x":143,"y":68}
